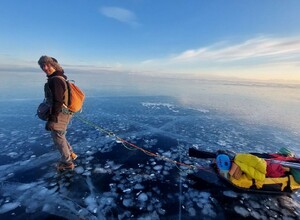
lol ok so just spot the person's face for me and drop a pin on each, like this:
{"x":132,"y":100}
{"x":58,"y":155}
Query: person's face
{"x":48,"y":69}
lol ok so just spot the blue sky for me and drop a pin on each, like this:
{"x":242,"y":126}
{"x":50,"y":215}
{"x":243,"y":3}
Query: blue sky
{"x":180,"y":38}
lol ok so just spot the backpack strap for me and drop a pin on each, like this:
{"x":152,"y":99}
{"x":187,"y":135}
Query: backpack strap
{"x":67,"y":95}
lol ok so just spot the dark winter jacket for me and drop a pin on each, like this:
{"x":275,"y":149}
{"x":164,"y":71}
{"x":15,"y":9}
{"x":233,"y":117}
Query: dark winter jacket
{"x":54,"y":93}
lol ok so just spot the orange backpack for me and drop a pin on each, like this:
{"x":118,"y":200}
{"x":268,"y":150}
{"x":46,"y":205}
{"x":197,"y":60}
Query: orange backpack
{"x":74,"y":96}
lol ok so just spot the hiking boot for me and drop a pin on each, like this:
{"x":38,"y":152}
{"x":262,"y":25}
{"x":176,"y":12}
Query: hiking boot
{"x":65,"y":166}
{"x":73,"y":156}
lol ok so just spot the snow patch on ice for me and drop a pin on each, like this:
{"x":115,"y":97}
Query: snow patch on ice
{"x":241,"y":211}
{"x":8,"y":207}
{"x":26,"y":186}
{"x":159,"y":105}
{"x":230,"y":194}
{"x":143,"y":197}
{"x":79,"y":170}
{"x":128,"y":202}
{"x":158,"y":167}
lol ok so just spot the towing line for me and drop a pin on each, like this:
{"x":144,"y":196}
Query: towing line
{"x":112,"y":134}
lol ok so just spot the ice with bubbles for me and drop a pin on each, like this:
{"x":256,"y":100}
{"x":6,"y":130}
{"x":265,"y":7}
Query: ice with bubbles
{"x":114,"y":180}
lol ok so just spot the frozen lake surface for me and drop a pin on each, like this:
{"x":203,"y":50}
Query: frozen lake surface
{"x":111,"y":181}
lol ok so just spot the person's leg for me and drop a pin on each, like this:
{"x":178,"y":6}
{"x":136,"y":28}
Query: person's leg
{"x":60,"y":141}
{"x":59,"y":138}
{"x":73,"y":155}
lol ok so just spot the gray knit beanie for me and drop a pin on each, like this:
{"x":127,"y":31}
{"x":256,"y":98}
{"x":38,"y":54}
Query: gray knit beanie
{"x":52,"y":61}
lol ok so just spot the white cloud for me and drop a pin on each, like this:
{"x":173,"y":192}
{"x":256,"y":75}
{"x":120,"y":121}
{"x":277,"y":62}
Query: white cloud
{"x":257,"y":58}
{"x":148,"y":62}
{"x":261,"y":47}
{"x":120,"y":14}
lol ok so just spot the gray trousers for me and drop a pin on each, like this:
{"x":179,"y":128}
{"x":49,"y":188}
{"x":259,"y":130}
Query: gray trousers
{"x":59,"y":137}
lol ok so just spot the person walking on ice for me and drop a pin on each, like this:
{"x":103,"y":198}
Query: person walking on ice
{"x":59,"y":117}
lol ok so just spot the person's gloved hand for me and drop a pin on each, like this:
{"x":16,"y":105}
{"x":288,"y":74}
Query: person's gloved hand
{"x":49,"y":126}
